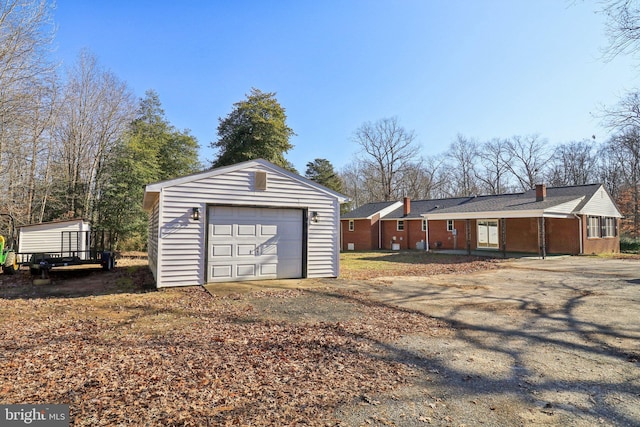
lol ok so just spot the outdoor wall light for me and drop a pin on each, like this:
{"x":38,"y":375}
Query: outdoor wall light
{"x":195,"y":214}
{"x":314,"y":216}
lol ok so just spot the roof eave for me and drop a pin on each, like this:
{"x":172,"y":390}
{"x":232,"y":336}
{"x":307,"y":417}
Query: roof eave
{"x":158,"y":186}
{"x":150,"y":198}
{"x":538,"y":213}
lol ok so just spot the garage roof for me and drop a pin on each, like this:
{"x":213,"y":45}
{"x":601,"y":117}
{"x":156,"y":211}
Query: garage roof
{"x":152,"y":191}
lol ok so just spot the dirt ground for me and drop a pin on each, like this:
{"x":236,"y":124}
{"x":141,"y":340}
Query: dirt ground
{"x":538,"y":342}
{"x":535,"y":342}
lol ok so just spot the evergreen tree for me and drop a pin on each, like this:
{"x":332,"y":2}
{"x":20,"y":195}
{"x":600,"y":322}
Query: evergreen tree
{"x":256,"y":128}
{"x":322,"y":172}
{"x":151,"y":151}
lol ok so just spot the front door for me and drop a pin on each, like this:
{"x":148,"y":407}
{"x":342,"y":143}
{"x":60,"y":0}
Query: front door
{"x":488,"y":234}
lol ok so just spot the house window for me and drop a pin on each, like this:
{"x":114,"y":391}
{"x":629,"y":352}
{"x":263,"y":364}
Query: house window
{"x":593,"y":226}
{"x":609,"y":229}
{"x":352,"y":226}
{"x":400,"y":225}
{"x":424,"y":225}
{"x":449,"y":225}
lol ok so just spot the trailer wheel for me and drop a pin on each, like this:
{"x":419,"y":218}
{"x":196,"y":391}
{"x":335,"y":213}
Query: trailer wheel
{"x":107,"y":261}
{"x":10,"y":263}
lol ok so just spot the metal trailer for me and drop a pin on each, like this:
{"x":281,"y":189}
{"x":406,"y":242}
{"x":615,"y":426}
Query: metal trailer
{"x":76,"y":248}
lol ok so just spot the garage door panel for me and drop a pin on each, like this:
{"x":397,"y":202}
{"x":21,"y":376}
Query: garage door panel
{"x":222,"y":230}
{"x":269,"y":230}
{"x":246,"y":230}
{"x":221,"y":271}
{"x":221,"y":250}
{"x":246,"y":270}
{"x":268,"y":269}
{"x":254,"y":243}
{"x":246,"y":250}
{"x":269,"y":249}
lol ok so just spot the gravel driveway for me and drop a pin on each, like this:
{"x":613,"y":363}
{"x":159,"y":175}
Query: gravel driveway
{"x":539,"y":342}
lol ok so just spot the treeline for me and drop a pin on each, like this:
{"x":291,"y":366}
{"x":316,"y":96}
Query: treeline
{"x":388,"y":169}
{"x":74,"y":142}
{"x":389,"y":166}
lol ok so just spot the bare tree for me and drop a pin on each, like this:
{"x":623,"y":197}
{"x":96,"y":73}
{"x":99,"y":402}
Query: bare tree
{"x":95,"y":111}
{"x":493,"y":171}
{"x":622,"y":27}
{"x":610,"y":172}
{"x":352,"y":179}
{"x":574,"y":163}
{"x":387,"y":149}
{"x":624,"y":115}
{"x":420,"y":179}
{"x":38,"y":150}
{"x":528,"y":156}
{"x":26,"y":33}
{"x":462,"y":157}
{"x":623,"y":151}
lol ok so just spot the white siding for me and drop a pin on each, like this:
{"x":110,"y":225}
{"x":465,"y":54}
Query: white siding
{"x":152,"y":245}
{"x":601,"y":205}
{"x":181,"y":240}
{"x":47,"y":237}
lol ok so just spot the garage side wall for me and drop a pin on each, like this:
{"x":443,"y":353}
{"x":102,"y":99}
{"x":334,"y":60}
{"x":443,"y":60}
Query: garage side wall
{"x":152,"y":242}
{"x":182,"y":240}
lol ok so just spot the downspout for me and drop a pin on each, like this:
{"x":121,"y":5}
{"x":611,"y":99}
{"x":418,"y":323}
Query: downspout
{"x":580,"y":231}
{"x":379,"y":233}
{"x":426,"y":234}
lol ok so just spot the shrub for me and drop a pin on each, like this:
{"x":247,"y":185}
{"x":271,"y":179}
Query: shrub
{"x":629,"y":244}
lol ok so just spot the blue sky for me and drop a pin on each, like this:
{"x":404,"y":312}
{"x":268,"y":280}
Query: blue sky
{"x":481,"y":68}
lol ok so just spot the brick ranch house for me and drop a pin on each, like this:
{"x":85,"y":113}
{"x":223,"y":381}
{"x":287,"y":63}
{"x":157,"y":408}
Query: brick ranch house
{"x":572,"y":220}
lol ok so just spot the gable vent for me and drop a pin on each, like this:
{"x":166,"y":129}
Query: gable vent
{"x":260,"y":180}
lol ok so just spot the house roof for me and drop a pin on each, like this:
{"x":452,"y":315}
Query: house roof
{"x":368,"y":210}
{"x":420,"y":207}
{"x":152,"y":191}
{"x":559,"y":201}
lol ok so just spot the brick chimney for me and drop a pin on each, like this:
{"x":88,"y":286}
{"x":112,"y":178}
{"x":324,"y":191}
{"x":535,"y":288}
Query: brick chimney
{"x":541,"y":192}
{"x":407,"y":206}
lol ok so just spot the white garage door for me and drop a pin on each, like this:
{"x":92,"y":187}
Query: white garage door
{"x":254,"y":244}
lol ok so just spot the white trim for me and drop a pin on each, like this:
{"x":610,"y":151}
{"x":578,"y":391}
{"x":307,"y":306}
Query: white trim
{"x":426,"y":235}
{"x":488,"y":247}
{"x":152,"y":190}
{"x":382,"y":212}
{"x":485,"y":215}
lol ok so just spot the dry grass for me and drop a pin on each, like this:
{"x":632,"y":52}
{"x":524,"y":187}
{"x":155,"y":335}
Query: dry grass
{"x":120,"y":353}
{"x":182,"y":357}
{"x":369,"y":265}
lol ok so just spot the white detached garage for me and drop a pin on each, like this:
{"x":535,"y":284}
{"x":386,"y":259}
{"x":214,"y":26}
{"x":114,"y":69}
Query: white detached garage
{"x":250,"y":221}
